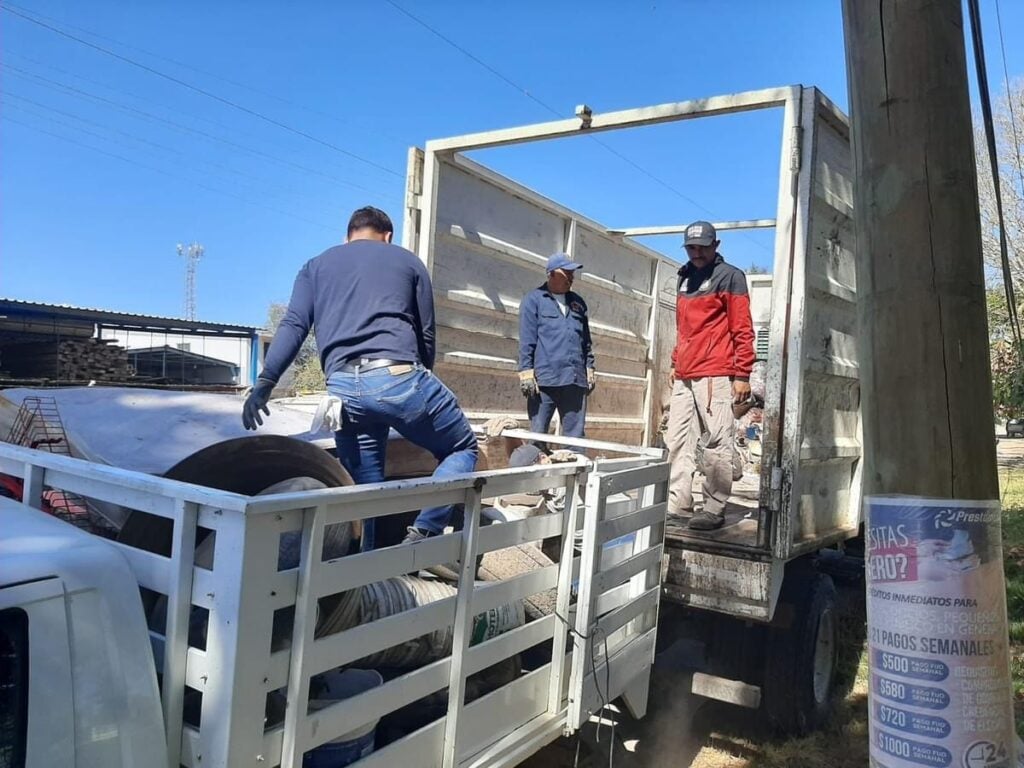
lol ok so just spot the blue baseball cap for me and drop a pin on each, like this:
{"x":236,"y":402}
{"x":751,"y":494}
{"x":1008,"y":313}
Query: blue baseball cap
{"x":562,"y":261}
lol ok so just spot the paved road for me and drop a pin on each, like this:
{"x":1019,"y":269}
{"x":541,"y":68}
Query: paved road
{"x":1010,"y":453}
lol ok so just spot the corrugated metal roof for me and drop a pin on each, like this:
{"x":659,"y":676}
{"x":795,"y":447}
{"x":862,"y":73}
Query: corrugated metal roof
{"x":125,"y":319}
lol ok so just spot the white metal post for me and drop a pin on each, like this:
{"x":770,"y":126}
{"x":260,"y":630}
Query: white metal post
{"x":238,"y":642}
{"x":802,"y":166}
{"x":179,"y":611}
{"x":589,"y":565}
{"x":303,"y":632}
{"x":785,"y":234}
{"x":413,"y":191}
{"x":463,"y":627}
{"x":428,"y":210}
{"x":564,"y":594}
{"x":32,"y":490}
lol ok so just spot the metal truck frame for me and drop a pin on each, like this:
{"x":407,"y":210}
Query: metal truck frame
{"x":485,"y":237}
{"x":610,"y":592}
{"x":810,"y":476}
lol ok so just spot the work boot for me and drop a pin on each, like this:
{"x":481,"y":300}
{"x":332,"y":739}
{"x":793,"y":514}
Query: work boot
{"x":706,"y":521}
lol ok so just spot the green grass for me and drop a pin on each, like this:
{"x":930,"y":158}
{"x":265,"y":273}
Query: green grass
{"x":1012,"y":489}
{"x":844,"y":743}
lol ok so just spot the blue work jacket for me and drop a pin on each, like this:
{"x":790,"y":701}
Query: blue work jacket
{"x":557,"y":347}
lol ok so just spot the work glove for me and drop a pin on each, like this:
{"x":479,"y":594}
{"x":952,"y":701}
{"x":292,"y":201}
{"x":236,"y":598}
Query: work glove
{"x":256,"y":402}
{"x":528,"y":383}
{"x":495,"y":426}
{"x":591,"y":379}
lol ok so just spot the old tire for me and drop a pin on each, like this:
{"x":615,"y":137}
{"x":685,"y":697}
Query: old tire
{"x":801,"y":654}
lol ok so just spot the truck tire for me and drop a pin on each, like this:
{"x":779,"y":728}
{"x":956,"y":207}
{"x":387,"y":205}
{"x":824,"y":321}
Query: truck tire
{"x":801,"y":653}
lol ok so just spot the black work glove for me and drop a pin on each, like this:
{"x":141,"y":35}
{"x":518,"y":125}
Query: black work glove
{"x":256,"y":402}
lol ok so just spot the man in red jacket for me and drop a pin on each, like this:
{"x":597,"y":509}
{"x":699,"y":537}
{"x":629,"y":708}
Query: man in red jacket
{"x":711,"y":366}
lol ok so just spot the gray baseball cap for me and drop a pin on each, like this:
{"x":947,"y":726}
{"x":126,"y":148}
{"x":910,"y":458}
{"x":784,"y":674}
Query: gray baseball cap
{"x":700,"y":233}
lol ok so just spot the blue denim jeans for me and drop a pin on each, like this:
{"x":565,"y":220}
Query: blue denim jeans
{"x":421,"y":409}
{"x":571,"y":404}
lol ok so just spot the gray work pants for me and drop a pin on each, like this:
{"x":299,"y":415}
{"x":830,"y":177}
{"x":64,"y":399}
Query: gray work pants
{"x":698,"y":406}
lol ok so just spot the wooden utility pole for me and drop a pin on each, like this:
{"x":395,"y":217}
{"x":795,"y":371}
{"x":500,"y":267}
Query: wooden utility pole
{"x":936,"y":599}
{"x":924,"y":357}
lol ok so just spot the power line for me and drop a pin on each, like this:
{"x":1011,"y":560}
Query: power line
{"x":201,"y":91}
{"x":276,"y":188}
{"x":1009,"y":100}
{"x":508,"y":81}
{"x":215,"y":76}
{"x":18,"y":72}
{"x":6,"y":117}
{"x":990,"y":141}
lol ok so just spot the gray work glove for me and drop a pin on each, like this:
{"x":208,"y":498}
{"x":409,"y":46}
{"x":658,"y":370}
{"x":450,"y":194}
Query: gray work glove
{"x":528,"y":383}
{"x":256,"y":402}
{"x":591,"y":379}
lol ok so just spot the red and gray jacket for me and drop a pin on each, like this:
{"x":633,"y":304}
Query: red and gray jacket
{"x":715,"y":335}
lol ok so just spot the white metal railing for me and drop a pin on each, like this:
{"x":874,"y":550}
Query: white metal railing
{"x":616,"y":585}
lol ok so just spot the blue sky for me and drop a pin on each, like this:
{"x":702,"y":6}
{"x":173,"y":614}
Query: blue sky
{"x":105,"y":167}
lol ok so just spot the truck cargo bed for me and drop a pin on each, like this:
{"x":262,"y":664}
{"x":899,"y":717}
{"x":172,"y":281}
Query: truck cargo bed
{"x":741,"y":515}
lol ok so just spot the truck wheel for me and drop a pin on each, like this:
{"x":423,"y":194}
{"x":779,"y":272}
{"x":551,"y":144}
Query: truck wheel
{"x":800,"y":663}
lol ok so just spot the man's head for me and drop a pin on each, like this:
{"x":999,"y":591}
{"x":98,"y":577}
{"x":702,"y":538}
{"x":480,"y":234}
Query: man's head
{"x":561,"y":271}
{"x":526,"y":455}
{"x":700,"y":243}
{"x":370,"y":223}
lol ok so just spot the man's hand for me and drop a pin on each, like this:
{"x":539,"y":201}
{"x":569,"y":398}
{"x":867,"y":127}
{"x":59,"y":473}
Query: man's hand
{"x":591,"y":379}
{"x":528,"y":383}
{"x":671,"y":377}
{"x":256,"y":402}
{"x":740,"y":390}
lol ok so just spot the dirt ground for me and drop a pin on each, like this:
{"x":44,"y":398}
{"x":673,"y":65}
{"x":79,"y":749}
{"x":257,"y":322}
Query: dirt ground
{"x":682,"y":730}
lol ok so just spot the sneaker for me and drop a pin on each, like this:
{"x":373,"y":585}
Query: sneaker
{"x":706,"y":521}
{"x":416,"y":534}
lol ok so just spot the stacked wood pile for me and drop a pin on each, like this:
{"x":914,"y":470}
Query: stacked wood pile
{"x":66,"y":360}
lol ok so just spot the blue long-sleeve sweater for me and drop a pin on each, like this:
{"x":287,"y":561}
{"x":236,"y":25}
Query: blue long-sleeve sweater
{"x":364,"y":299}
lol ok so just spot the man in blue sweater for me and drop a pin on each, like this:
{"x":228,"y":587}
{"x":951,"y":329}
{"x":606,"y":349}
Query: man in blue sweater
{"x":556,"y":358}
{"x":371,"y":306}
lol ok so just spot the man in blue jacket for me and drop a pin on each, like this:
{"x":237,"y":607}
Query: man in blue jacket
{"x":371,"y":306}
{"x":556,"y":359}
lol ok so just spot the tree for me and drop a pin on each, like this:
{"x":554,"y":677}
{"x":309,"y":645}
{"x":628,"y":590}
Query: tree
{"x":1007,"y":370}
{"x":1009,"y":154}
{"x":1007,"y":359}
{"x":305,"y":374}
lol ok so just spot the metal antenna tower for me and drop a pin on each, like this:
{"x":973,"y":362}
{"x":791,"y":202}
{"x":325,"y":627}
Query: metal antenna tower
{"x":192,"y":254}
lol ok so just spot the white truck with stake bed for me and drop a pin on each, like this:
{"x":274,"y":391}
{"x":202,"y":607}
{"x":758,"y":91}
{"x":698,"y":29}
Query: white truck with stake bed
{"x":485,"y":238}
{"x":90,"y":675}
